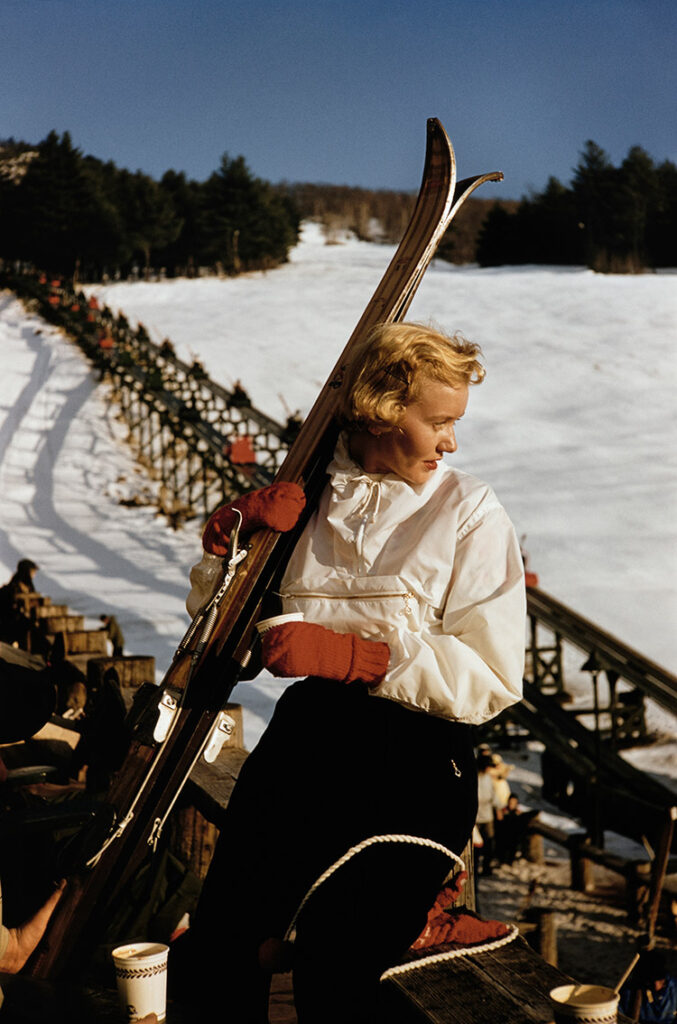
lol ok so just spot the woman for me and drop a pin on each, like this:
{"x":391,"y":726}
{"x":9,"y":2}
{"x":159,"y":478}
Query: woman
{"x":409,"y":582}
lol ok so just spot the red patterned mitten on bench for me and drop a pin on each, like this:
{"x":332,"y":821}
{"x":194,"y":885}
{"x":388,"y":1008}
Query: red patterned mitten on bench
{"x":459,"y":926}
{"x":306,"y":649}
{"x":277,"y":507}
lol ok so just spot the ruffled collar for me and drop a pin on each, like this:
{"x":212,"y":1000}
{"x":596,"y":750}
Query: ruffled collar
{"x":360,"y":503}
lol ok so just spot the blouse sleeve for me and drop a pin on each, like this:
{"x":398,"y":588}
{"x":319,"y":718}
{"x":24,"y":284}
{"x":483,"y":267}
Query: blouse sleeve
{"x":467,"y":661}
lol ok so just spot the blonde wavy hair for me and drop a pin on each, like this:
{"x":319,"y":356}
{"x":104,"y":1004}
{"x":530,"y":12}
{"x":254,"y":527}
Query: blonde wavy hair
{"x":390,"y":367}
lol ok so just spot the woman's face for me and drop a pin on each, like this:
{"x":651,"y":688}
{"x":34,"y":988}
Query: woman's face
{"x":413,"y":449}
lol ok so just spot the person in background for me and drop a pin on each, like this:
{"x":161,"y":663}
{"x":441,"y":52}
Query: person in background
{"x":489,"y":810}
{"x":499,"y":772}
{"x":33,"y":1002}
{"x":656,"y":987}
{"x":115,"y":635}
{"x":22,"y":580}
{"x":511,"y":830}
{"x":17,"y":944}
{"x":13,"y":619}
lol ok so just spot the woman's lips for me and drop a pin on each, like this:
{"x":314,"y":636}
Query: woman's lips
{"x":431,"y":465}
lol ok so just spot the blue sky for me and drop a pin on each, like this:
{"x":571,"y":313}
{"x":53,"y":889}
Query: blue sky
{"x":340,"y":91}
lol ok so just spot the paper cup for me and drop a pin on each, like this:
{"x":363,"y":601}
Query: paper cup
{"x":265,"y":624}
{"x":586,"y":1004}
{"x":141,"y":973}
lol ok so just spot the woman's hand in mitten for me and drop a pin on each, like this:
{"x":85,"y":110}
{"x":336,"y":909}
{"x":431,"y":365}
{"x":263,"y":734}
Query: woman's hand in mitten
{"x":306,"y":649}
{"x":277,"y":506}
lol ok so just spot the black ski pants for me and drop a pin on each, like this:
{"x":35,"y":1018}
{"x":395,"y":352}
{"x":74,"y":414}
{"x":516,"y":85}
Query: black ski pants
{"x":334,"y":767}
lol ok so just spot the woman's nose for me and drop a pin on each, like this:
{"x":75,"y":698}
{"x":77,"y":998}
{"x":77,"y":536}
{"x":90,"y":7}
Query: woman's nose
{"x":448,"y":441}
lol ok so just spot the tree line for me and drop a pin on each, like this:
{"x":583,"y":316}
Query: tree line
{"x":78,"y":216}
{"x":381,"y":215}
{"x":612,"y":219}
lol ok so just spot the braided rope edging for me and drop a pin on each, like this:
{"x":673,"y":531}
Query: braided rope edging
{"x":452,"y":954}
{"x":353,"y":851}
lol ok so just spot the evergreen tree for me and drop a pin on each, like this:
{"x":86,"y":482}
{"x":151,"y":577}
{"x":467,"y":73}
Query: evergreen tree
{"x":548,"y":229}
{"x":148,"y":213}
{"x":661,"y":231}
{"x":184,"y":254}
{"x":638,"y":193}
{"x":72,"y":214}
{"x":594,"y":188}
{"x":498,"y":239}
{"x":50,"y":215}
{"x":245,"y":224}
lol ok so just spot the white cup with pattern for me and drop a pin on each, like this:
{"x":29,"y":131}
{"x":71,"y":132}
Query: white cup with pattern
{"x":584,"y":1004}
{"x":141,"y":974}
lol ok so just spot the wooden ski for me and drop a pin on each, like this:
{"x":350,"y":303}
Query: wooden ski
{"x":206,"y":668}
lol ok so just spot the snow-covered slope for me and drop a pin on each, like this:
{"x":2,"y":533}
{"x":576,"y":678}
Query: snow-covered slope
{"x":574,"y":427}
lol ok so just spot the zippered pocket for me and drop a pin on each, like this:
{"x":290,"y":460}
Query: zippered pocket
{"x":407,"y":597}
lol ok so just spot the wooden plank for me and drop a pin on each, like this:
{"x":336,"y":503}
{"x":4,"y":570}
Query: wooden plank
{"x":62,"y":623}
{"x":508,"y":986}
{"x":31,"y":601}
{"x":43,"y":611}
{"x":199,"y":817}
{"x":210,"y":785}
{"x":133,"y":670}
{"x":85,"y":641}
{"x":18,"y":656}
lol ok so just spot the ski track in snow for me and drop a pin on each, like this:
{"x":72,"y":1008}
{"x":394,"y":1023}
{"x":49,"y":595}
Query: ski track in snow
{"x":574,"y":428}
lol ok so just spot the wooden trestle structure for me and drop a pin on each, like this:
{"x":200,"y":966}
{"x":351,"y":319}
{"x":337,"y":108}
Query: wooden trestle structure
{"x":203,"y":443}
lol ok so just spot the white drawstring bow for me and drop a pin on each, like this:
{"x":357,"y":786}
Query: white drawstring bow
{"x":365,"y":514}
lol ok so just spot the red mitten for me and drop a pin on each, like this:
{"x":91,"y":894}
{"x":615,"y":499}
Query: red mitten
{"x":306,"y":649}
{"x":277,"y":506}
{"x":461,"y":926}
{"x":438,"y":915}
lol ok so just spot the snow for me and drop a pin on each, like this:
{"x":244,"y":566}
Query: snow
{"x":574,"y":428}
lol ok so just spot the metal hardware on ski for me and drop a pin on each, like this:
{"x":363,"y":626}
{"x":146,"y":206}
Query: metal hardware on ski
{"x":210,"y":657}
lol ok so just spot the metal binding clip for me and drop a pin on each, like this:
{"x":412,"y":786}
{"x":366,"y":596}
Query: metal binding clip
{"x":221,"y":731}
{"x":166,"y":710}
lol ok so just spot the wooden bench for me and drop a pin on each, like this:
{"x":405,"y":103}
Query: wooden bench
{"x":509,"y":985}
{"x":27,"y":603}
{"x":43,"y":611}
{"x":85,"y":641}
{"x":132,"y":669}
{"x":637,"y":872}
{"x":53,"y":624}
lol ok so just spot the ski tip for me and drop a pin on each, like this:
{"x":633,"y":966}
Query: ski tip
{"x":437,"y":137}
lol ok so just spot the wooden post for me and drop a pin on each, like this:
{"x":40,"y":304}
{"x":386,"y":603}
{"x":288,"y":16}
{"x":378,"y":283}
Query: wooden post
{"x":658,"y":870}
{"x":467,"y":897}
{"x":194,"y":840}
{"x":637,"y":891}
{"x":544,"y":937}
{"x":581,"y":870}
{"x":534,"y":847}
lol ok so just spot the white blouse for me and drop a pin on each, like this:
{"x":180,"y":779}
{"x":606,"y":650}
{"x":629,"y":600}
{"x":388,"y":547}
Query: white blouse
{"x":434,"y":570}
